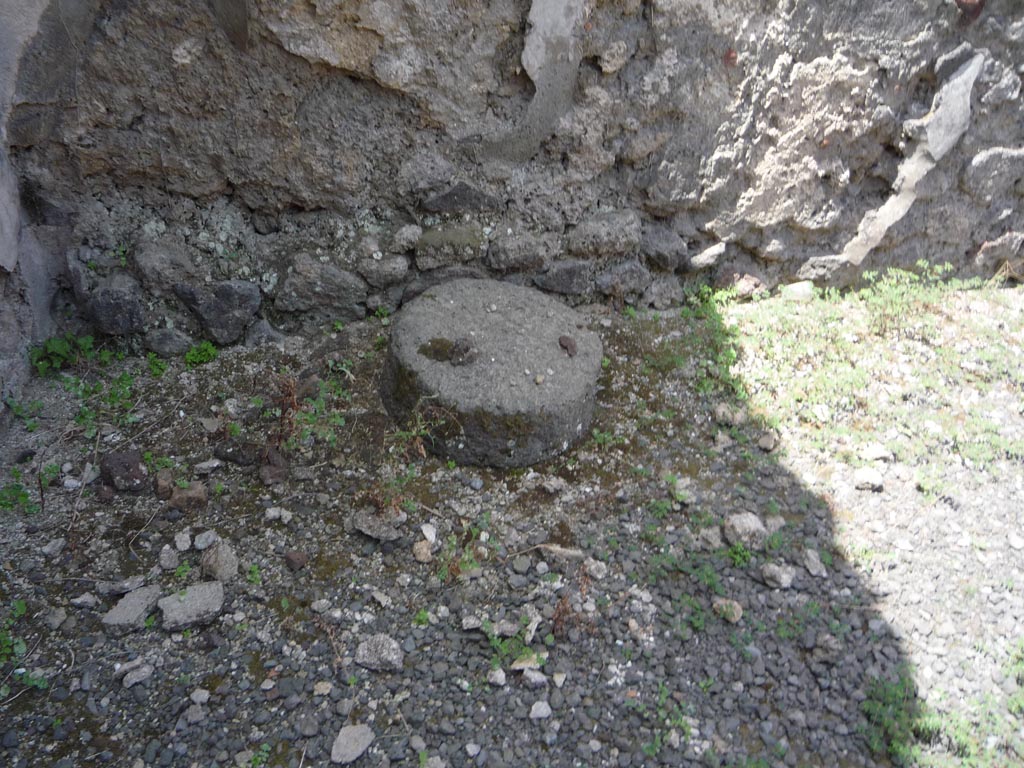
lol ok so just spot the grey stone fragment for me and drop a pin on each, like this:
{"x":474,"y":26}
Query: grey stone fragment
{"x":461,"y":198}
{"x":351,"y":742}
{"x":138,"y":675}
{"x":745,"y":528}
{"x":107,"y":588}
{"x":800,"y":291}
{"x":451,"y":244}
{"x":518,"y":252}
{"x":220,"y":562}
{"x":124,"y":470}
{"x":868,"y":479}
{"x":664,"y":291}
{"x":85,"y":600}
{"x":372,"y":523}
{"x":521,"y":399}
{"x":54,"y":618}
{"x":540,"y":710}
{"x":994,"y":171}
{"x":206,"y":539}
{"x":192,"y":498}
{"x":614,"y":57}
{"x":662,"y":247}
{"x":813,"y":564}
{"x":225,"y":310}
{"x":426,"y":170}
{"x":626,"y":279}
{"x":162,"y":264}
{"x":405,"y":238}
{"x":708,"y":258}
{"x":384,"y":271}
{"x":131,"y":610}
{"x":198,"y":603}
{"x":54,"y":547}
{"x":570,"y":277}
{"x":380,"y":653}
{"x":262,"y":333}
{"x":117,"y":309}
{"x":266,"y":223}
{"x":168,"y":558}
{"x":607,"y":234}
{"x":168,"y":342}
{"x":778,"y":576}
{"x":323,"y":289}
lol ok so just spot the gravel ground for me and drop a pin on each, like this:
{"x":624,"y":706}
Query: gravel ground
{"x":739,"y":567}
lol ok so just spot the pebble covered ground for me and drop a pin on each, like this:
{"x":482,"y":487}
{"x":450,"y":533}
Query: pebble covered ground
{"x":776,"y":547}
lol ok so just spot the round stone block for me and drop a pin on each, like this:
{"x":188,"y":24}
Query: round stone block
{"x":494,"y":373}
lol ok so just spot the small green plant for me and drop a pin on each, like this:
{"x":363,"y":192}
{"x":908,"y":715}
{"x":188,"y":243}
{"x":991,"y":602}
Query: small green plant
{"x":629,"y":312}
{"x":337,"y":326}
{"x":26,"y":412}
{"x":150,"y":621}
{"x":660,"y":508}
{"x":666,"y":713}
{"x":14,"y":496}
{"x":157,"y":367}
{"x":120,"y":254}
{"x":60,"y":352}
{"x":509,"y":649}
{"x":182,"y":571}
{"x":422,"y":618}
{"x":382,"y":313}
{"x":897,"y":299}
{"x":894,"y":718}
{"x":252,"y":575}
{"x":260,"y":756}
{"x":604,"y":440}
{"x":693,"y":612}
{"x":13,"y":649}
{"x":774,"y":542}
{"x":739,"y":555}
{"x":201,"y":354}
{"x":793,"y":625}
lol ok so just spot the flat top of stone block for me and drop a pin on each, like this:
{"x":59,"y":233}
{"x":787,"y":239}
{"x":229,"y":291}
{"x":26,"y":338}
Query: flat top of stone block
{"x":482,"y":344}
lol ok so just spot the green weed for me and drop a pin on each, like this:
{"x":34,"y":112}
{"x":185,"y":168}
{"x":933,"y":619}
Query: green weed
{"x":26,"y":412}
{"x":59,"y":352}
{"x":201,"y":354}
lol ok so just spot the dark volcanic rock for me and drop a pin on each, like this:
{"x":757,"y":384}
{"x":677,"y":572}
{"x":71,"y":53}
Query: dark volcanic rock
{"x":226,"y":310}
{"x":124,"y":470}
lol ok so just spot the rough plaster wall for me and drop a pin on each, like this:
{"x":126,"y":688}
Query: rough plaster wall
{"x":26,"y":273}
{"x":588,"y":146}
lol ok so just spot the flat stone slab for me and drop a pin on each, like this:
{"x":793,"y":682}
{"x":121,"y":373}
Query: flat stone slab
{"x":197,"y":604}
{"x":498,"y":374}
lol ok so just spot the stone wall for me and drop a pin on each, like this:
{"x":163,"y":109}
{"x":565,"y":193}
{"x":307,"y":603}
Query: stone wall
{"x":312,"y":160}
